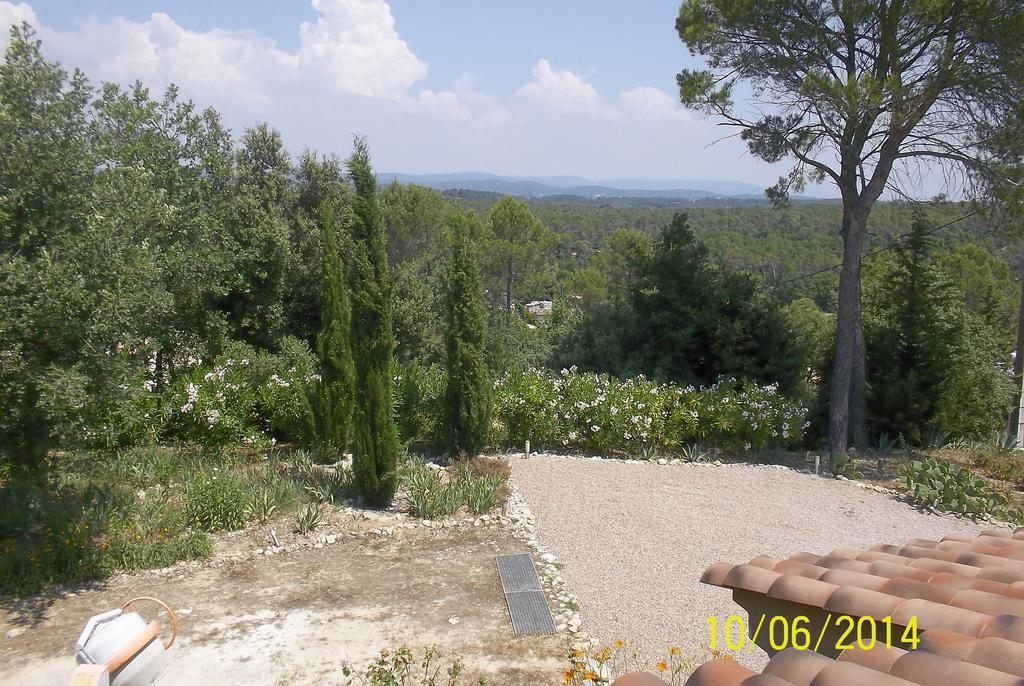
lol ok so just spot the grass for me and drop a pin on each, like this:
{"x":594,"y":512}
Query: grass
{"x":84,"y":516}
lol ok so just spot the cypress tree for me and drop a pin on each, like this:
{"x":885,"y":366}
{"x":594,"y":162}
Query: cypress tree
{"x":331,"y":397}
{"x":375,"y":440}
{"x":908,"y":333}
{"x":468,"y":400}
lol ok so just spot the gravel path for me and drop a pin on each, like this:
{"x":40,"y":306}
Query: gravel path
{"x":635,"y":537}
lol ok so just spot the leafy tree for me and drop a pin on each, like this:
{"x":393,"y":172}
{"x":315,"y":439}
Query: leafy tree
{"x":332,"y":395}
{"x":862,"y":94}
{"x":908,"y":335}
{"x":414,"y":217}
{"x":468,"y":406}
{"x":688,"y":320}
{"x":518,"y":243}
{"x":375,"y":441}
{"x":318,"y":180}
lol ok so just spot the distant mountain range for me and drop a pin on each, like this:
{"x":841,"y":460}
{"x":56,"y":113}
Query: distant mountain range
{"x":540,"y":186}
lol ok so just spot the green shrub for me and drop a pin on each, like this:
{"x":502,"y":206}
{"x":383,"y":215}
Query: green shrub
{"x":133,"y":555}
{"x":244,"y":398}
{"x":950,"y":488}
{"x":419,"y":396}
{"x":598,"y":412}
{"x":216,"y":502}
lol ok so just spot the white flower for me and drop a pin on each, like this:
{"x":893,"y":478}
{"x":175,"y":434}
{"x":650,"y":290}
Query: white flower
{"x":193,"y":393}
{"x":149,"y":385}
{"x":212,"y":416}
{"x":746,"y":446}
{"x":595,"y":428}
{"x":186,"y":408}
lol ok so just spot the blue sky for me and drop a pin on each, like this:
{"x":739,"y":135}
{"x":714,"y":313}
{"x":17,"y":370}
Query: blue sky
{"x":574,"y":87}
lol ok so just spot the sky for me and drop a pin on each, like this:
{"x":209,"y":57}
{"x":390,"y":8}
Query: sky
{"x":532,"y":87}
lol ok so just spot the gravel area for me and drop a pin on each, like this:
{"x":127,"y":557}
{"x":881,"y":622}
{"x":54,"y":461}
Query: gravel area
{"x":634,"y":537}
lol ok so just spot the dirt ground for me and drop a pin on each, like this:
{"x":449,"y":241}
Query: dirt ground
{"x":293,"y":618}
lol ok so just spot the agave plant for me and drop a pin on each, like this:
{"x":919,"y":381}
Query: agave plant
{"x":309,"y":519}
{"x":694,"y":453}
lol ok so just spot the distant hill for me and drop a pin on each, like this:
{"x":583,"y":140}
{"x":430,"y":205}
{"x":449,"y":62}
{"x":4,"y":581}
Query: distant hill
{"x":544,"y":186}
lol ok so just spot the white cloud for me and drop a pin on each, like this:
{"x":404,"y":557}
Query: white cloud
{"x":11,"y":13}
{"x":210,"y":65}
{"x":562,"y":90}
{"x":355,"y":43}
{"x":648,"y":102}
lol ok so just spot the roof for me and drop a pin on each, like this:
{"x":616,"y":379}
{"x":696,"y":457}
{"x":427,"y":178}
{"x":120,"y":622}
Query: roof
{"x":966,"y":593}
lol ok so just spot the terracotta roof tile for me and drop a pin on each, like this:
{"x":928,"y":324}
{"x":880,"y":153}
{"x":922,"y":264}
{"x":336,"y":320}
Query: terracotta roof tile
{"x":966,"y":594}
{"x":851,"y":674}
{"x":800,"y":589}
{"x":928,"y":669}
{"x":750,"y":578}
{"x":880,"y":660}
{"x":714,"y":673}
{"x":859,"y":602}
{"x":797,"y":667}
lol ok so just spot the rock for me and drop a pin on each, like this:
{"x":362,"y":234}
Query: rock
{"x":15,"y":632}
{"x":561,"y":628}
{"x":318,"y":545}
{"x":662,"y":461}
{"x":331,"y":539}
{"x":428,"y":523}
{"x":549,"y":558}
{"x":453,"y":620}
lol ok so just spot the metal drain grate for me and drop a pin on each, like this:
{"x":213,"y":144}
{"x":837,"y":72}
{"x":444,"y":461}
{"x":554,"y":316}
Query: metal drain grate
{"x":527,"y":606}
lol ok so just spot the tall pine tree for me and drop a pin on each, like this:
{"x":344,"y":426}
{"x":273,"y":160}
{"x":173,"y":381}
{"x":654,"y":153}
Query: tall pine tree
{"x":375,"y":440}
{"x":908,"y":330}
{"x":468,"y":401}
{"x":332,"y":396}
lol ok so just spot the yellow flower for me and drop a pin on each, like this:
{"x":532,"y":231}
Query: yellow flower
{"x":567,"y":676}
{"x":618,"y":643}
{"x":674,"y":650}
{"x":662,"y":666}
{"x":591,"y":675}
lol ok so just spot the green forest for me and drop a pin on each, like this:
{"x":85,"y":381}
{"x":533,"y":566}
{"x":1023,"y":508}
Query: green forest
{"x":175,"y":293}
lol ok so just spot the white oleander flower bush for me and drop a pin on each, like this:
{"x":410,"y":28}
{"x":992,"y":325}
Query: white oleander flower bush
{"x":244,"y":397}
{"x":573,"y":409}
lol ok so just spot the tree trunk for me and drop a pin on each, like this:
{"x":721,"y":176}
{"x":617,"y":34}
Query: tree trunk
{"x":847,"y":327}
{"x":858,"y":383}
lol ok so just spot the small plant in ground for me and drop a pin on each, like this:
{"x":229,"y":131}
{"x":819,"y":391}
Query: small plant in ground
{"x":309,"y":519}
{"x":937,"y":439}
{"x":216,"y":502}
{"x":330,"y":486}
{"x":885,"y":444}
{"x":951,"y":488}
{"x":403,"y":668}
{"x":694,"y":453}
{"x":604,"y":665}
{"x":839,"y":464}
{"x":432,"y":492}
{"x":262,"y":507}
{"x":1008,"y":442}
{"x":647,"y":453}
{"x":484,"y":466}
{"x":480,"y":494}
